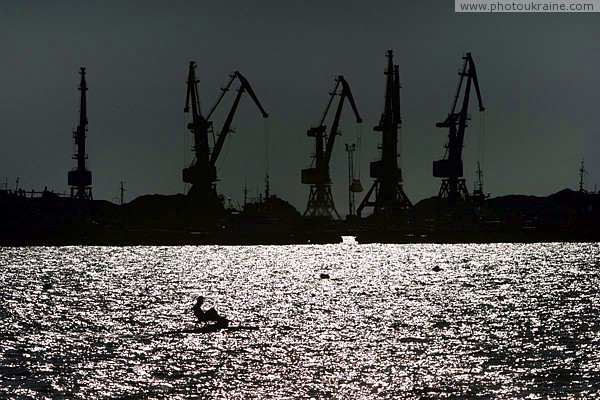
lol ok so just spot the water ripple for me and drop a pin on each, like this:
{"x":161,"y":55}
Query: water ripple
{"x":389,"y":322}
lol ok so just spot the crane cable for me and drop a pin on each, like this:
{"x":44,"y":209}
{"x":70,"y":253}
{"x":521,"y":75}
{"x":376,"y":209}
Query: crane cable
{"x":481,"y":144}
{"x":186,"y":141}
{"x":480,"y":151}
{"x":186,"y":147}
{"x":267,"y":144}
{"x":399,"y":148}
{"x":358,"y":148}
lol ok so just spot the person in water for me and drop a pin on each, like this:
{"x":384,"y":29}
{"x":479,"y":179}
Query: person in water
{"x":211,"y":315}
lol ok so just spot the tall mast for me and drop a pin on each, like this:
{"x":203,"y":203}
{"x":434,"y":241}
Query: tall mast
{"x":388,"y":190}
{"x":80,"y":179}
{"x":353,"y":184}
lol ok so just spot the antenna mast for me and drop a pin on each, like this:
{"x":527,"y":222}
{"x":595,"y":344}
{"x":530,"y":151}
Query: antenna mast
{"x":354,"y":185}
{"x":581,"y":178}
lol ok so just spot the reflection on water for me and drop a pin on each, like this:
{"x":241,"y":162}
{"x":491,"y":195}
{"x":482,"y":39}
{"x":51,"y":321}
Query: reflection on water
{"x":504,"y":320}
{"x":349,"y":240}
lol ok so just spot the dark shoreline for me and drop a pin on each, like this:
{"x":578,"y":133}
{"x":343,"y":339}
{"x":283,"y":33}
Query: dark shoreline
{"x":158,"y":237}
{"x":566,"y":216}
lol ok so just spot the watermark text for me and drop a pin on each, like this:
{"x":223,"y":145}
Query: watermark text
{"x":496,"y":6}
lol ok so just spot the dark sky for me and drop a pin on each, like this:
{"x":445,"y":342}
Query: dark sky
{"x":539,"y":75}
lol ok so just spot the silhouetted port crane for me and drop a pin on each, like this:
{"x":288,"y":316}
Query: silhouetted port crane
{"x":389,"y":195}
{"x":320,"y":201}
{"x":450,"y":169}
{"x":80,"y":179}
{"x":202,"y":173}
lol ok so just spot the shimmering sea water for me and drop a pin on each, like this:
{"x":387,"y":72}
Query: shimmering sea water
{"x":495,"y":321}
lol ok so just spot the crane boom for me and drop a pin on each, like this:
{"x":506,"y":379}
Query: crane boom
{"x":331,"y":97}
{"x":248,"y":88}
{"x":346,"y":93}
{"x":473,"y":72}
{"x":223,"y":91}
{"x":244,"y":87}
{"x":226,"y":128}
